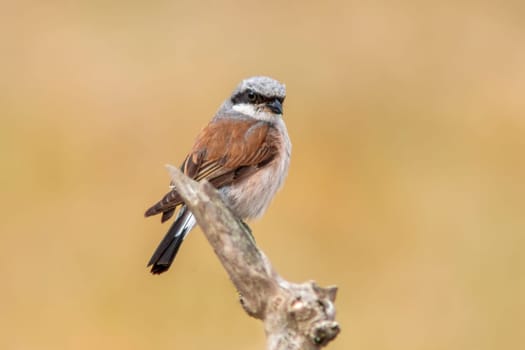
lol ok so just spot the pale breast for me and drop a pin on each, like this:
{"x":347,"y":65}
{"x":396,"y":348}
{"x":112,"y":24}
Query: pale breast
{"x":251,"y":197}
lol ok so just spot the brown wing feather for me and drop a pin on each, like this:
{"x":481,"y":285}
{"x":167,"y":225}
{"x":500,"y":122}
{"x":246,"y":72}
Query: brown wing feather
{"x":223,"y":157}
{"x":172,"y":199}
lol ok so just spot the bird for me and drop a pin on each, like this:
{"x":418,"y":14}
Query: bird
{"x":244,"y":152}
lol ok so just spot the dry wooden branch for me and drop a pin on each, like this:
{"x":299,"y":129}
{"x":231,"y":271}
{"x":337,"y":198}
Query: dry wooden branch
{"x":295,"y":316}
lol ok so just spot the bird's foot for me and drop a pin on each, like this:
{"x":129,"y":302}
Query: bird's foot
{"x":248,"y":230}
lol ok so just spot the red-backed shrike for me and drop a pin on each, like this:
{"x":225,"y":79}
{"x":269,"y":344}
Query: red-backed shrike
{"x":244,"y":151}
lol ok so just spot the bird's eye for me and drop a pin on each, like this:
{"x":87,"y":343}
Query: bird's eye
{"x":251,"y":96}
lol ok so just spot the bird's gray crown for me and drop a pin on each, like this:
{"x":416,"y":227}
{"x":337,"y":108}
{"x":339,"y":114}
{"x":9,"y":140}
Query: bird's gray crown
{"x":261,"y":85}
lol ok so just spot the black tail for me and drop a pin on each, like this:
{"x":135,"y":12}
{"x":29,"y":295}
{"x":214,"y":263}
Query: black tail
{"x":170,"y":244}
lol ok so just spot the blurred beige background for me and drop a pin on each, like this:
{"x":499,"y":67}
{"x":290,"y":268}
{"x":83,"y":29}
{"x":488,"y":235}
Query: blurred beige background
{"x":406,"y":184}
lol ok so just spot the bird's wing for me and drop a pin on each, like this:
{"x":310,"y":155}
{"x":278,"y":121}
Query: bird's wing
{"x":225,"y":152}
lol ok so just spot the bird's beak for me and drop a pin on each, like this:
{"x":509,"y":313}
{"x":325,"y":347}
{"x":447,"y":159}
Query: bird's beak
{"x":275,"y":106}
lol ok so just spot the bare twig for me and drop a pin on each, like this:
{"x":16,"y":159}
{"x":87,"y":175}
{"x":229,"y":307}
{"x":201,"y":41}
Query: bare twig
{"x":295,"y":316}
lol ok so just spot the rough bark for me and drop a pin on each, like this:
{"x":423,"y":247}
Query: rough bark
{"x":296,"y":316}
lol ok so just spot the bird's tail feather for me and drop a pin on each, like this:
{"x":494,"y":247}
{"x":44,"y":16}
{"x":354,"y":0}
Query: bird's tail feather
{"x":165,"y":253}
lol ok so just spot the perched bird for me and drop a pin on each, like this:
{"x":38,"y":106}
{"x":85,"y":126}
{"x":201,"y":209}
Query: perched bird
{"x":244,"y":152}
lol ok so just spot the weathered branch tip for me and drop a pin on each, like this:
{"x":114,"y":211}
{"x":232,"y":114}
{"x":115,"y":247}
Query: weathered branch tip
{"x":295,"y":316}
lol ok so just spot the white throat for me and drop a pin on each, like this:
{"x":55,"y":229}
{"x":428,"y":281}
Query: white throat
{"x":253,"y":112}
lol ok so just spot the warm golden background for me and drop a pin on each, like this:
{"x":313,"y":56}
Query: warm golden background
{"x":405,"y":189}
